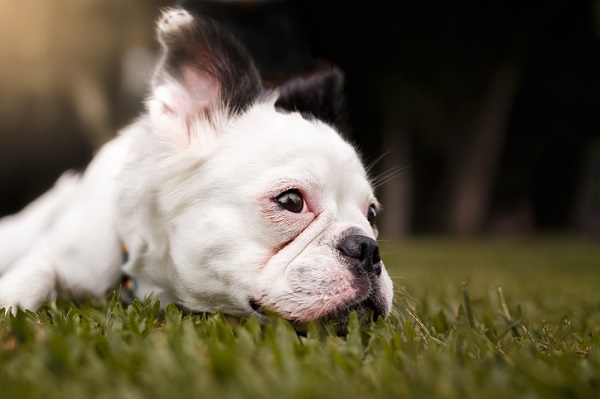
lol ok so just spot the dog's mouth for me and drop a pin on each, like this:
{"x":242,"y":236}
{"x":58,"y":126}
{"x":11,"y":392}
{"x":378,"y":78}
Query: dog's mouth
{"x":367,"y":309}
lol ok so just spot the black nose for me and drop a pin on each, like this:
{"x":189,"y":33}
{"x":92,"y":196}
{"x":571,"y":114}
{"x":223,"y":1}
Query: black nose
{"x":363,"y":249}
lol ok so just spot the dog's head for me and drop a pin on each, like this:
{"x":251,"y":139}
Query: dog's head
{"x":262,"y":204}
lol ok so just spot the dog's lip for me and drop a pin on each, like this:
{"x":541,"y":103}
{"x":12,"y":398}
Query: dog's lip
{"x":366,"y":308}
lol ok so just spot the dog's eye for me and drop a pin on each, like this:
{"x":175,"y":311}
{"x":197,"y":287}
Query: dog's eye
{"x":372,"y":215}
{"x":291,"y":200}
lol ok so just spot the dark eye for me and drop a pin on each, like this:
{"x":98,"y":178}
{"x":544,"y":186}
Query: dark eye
{"x":291,"y":200}
{"x":372,"y":215}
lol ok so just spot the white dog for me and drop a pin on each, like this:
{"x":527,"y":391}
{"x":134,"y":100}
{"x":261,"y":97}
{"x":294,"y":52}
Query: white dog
{"x":226,"y":197}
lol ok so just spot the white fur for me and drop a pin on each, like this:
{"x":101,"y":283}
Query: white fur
{"x":192,"y":200}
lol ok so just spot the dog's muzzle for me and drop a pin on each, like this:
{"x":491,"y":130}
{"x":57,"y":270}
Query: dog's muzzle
{"x":362,"y":257}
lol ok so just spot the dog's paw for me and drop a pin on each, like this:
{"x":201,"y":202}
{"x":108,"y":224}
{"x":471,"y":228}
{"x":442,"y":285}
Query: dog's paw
{"x":28,"y":284}
{"x":173,"y":19}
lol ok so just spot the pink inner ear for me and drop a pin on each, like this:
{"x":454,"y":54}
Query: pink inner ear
{"x":202,"y":88}
{"x":191,"y":97}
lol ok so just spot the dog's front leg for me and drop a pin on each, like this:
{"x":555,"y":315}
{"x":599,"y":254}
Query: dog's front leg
{"x":31,"y":281}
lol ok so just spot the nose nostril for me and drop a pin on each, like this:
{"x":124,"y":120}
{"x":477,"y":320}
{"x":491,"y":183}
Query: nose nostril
{"x":376,"y":256}
{"x":377,"y":268}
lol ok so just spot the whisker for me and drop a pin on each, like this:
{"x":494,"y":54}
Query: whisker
{"x":396,"y":310}
{"x":384,"y":178}
{"x":407,"y":298}
{"x":388,"y":175}
{"x":374,"y":162}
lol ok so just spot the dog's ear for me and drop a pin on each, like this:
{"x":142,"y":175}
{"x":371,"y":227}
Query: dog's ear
{"x":204,"y":74}
{"x":315,"y":93}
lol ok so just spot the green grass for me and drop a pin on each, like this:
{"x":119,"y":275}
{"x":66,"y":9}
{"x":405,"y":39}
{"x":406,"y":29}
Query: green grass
{"x":453,"y":334}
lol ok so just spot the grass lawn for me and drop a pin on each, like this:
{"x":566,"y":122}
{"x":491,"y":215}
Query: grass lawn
{"x":473,"y":319}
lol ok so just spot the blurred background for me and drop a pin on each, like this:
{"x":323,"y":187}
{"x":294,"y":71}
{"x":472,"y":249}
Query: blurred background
{"x":483,"y":117}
